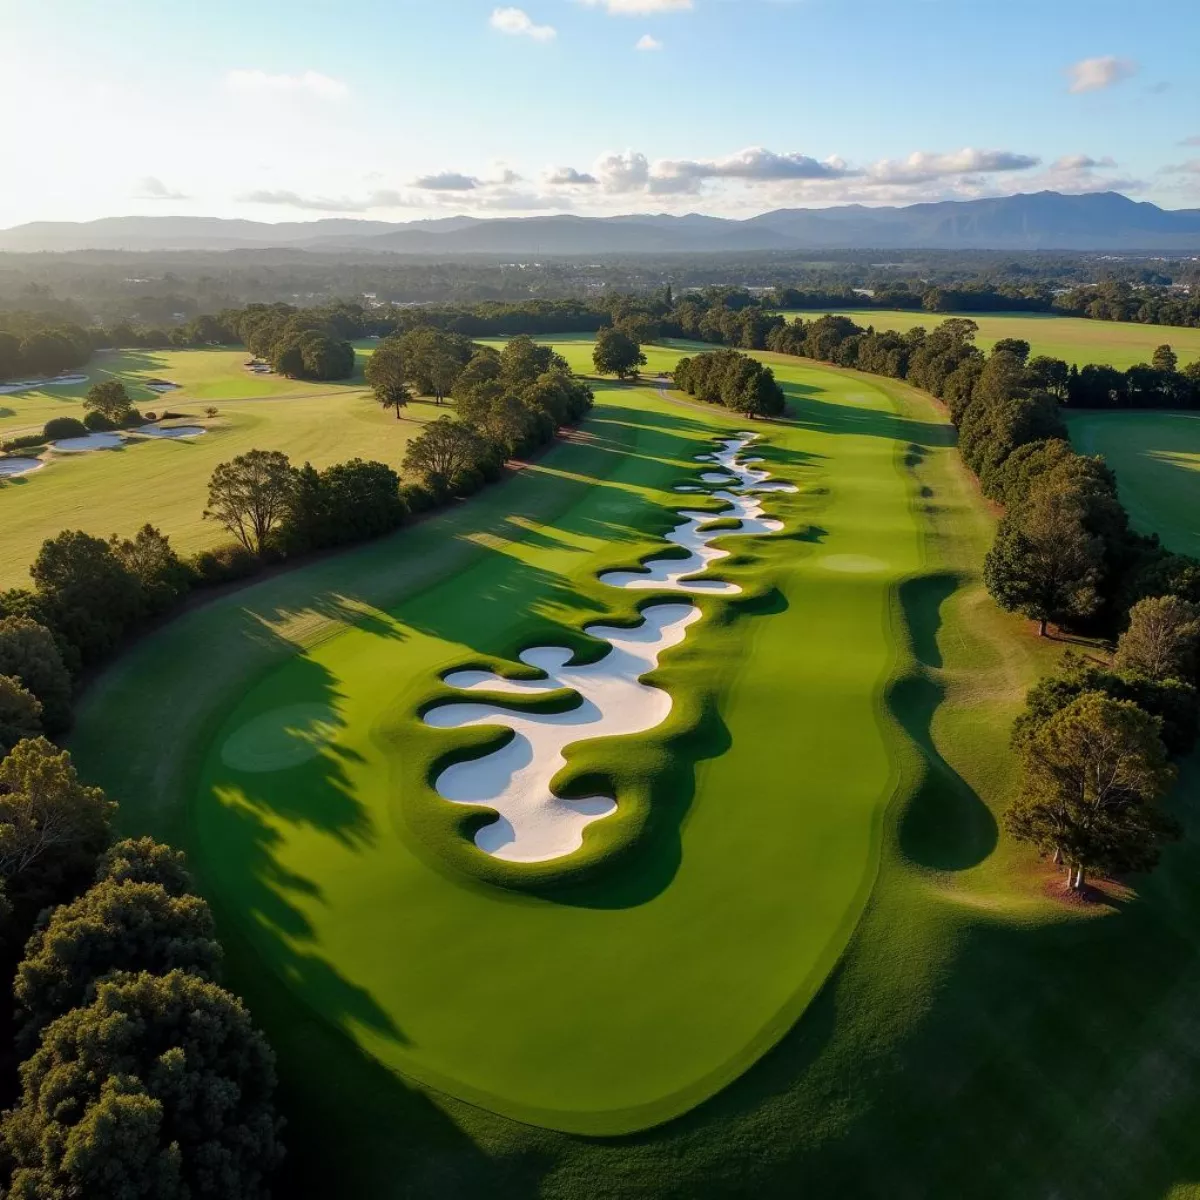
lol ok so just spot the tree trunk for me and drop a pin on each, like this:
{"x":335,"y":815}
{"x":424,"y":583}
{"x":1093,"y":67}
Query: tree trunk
{"x":1042,"y":628}
{"x":1058,"y":856}
{"x":1077,"y":880}
{"x":397,"y":412}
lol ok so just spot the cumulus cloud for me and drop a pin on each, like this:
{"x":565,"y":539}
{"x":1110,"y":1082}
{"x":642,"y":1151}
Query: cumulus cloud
{"x":755,"y":165}
{"x":516,"y":22}
{"x":312,"y":83}
{"x":637,"y":8}
{"x":1191,"y":141}
{"x":648,"y":42}
{"x":568,"y":177}
{"x":923,"y":166}
{"x":447,"y":181}
{"x":1094,"y":74}
{"x":152,"y":188}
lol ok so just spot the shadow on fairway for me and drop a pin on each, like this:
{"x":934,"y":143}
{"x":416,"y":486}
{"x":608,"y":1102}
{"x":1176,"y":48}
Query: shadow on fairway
{"x":945,"y":826}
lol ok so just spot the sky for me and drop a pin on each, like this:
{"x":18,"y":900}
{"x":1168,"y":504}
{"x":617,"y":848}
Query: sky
{"x":408,"y":109}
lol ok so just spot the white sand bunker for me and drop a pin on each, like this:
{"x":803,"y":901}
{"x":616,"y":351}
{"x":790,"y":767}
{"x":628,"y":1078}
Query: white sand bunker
{"x":10,"y":467}
{"x":855,"y":564}
{"x":93,"y":441}
{"x":533,"y":824}
{"x":162,"y":385}
{"x":674,"y":574}
{"x":170,"y":431}
{"x":28,"y":385}
{"x":281,"y":738}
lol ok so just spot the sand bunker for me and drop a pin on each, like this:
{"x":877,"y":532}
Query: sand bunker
{"x":93,"y":441}
{"x":674,"y":574}
{"x":29,"y":385}
{"x":170,"y":431}
{"x":281,"y":738}
{"x":535,"y":825}
{"x":162,"y":385}
{"x":10,"y":467}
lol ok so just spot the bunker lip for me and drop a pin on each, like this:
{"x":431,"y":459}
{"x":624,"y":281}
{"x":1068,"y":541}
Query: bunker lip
{"x":533,"y":824}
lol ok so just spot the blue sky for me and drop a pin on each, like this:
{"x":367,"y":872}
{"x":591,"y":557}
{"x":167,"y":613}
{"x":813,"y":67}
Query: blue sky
{"x":401,"y":109}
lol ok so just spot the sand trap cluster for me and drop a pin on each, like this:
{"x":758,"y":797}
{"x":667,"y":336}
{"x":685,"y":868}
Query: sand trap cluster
{"x":29,"y":385}
{"x":533,"y":824}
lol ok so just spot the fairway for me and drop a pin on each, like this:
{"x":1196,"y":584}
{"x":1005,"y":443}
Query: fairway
{"x":538,"y":1003}
{"x":166,"y":482}
{"x":1156,"y":456}
{"x":1073,"y":339}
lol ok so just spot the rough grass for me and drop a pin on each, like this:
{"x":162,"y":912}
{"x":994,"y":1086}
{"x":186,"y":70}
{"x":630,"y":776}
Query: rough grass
{"x":1073,"y":339}
{"x":978,"y":1037}
{"x":1157,"y":459}
{"x":166,"y":482}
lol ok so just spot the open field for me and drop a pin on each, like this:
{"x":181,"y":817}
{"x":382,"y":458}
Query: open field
{"x":824,"y":874}
{"x":1156,"y":456}
{"x":165,"y":482}
{"x":1073,"y":339}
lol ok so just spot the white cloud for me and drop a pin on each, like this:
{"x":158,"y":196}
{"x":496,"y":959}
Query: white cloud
{"x":1191,"y":141}
{"x":628,"y":172}
{"x":923,"y":166}
{"x":1093,"y":74}
{"x":517,"y":23}
{"x":447,"y":181}
{"x":1191,"y":167}
{"x":152,"y":188}
{"x":568,"y":177}
{"x":637,"y":8}
{"x":648,"y":42}
{"x":325,"y":87}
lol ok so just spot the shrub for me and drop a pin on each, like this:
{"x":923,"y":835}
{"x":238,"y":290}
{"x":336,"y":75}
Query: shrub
{"x":151,"y":417}
{"x":224,"y":564}
{"x":25,"y":442}
{"x":418,"y":498}
{"x":97,"y":422}
{"x":63,"y":427}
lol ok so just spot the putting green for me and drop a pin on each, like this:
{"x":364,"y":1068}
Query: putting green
{"x":599,"y":1003}
{"x":1156,"y":456}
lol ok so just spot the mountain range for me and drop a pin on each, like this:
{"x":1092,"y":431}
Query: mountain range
{"x":1101,"y":221}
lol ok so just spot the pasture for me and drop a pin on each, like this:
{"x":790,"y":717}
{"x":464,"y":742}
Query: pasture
{"x":814,"y":960}
{"x":1073,"y":339}
{"x":1156,"y":456}
{"x":165,"y":482}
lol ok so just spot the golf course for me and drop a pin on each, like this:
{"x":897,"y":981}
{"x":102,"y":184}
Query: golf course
{"x":164,"y":481}
{"x":1156,"y":456}
{"x":1076,"y":340}
{"x":797,"y":811}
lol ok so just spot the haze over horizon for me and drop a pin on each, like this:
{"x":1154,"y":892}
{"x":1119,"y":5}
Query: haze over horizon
{"x":595,"y":107}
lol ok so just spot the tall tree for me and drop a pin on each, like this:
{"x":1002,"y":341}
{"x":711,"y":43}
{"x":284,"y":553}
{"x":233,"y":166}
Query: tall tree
{"x":1093,"y":775}
{"x":387,"y":374}
{"x":110,"y":399}
{"x":445,"y":448}
{"x":28,"y":653}
{"x":616,"y":353}
{"x":249,"y":496}
{"x":160,"y":1088}
{"x":20,"y":713}
{"x":1162,"y":640}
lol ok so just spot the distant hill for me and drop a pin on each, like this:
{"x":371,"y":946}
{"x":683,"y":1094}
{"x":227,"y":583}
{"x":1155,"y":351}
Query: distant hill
{"x":1103,"y":221}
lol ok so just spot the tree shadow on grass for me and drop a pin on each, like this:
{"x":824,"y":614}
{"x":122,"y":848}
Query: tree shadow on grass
{"x":945,"y":825}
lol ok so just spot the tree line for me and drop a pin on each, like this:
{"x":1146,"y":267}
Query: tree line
{"x":731,"y":379}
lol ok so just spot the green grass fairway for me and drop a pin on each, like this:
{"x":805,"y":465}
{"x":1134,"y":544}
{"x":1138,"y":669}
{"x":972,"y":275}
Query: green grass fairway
{"x":1073,"y":339}
{"x":166,"y":482}
{"x":1156,"y":456}
{"x":826,"y":935}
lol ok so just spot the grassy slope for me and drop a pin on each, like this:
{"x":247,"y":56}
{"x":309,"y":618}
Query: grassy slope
{"x":975,"y":1040}
{"x":165,"y":482}
{"x":1074,"y":339}
{"x":1157,"y":459}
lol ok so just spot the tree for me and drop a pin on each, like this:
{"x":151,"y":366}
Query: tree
{"x":387,"y":375}
{"x":1044,"y":563}
{"x":1092,"y":776}
{"x":20,"y":714}
{"x":113,"y":927}
{"x":362,"y":500}
{"x":110,"y":399}
{"x":1162,"y":640}
{"x":28,"y":653}
{"x":88,"y":595}
{"x":249,"y":496}
{"x":616,"y":353}
{"x":52,"y":827}
{"x":1165,"y":359}
{"x":143,"y":860}
{"x":444,"y":450}
{"x":162,"y":574}
{"x":160,"y":1088}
